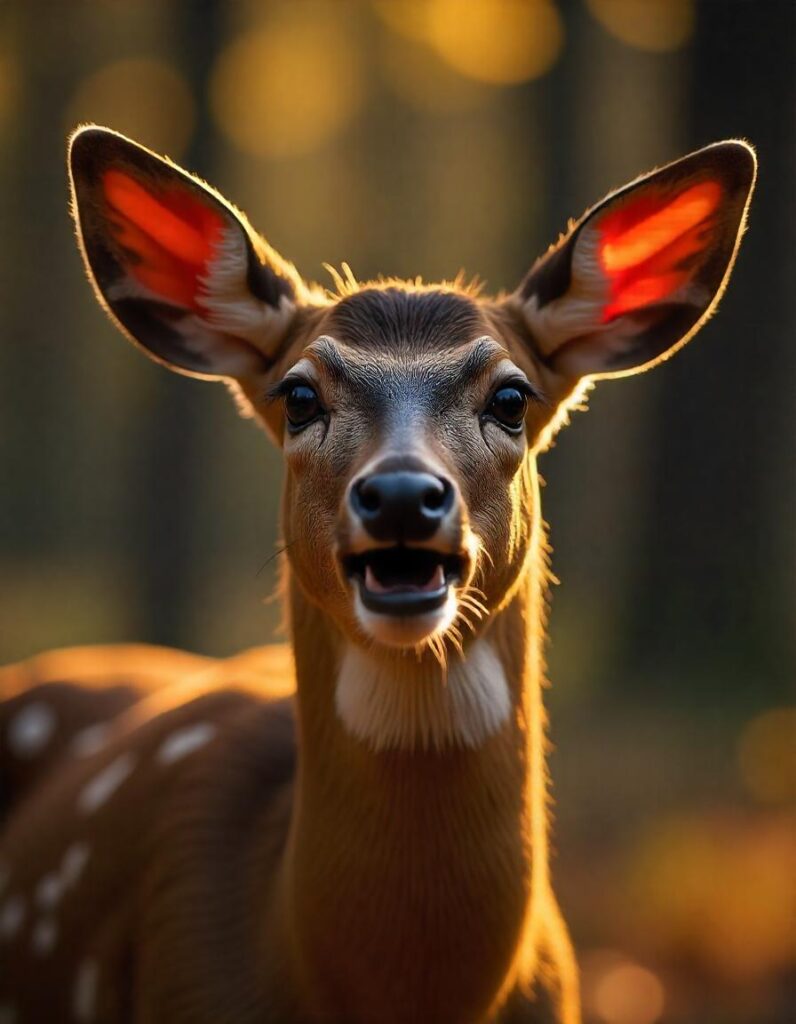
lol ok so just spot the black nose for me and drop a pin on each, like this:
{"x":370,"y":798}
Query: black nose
{"x":402,"y":506}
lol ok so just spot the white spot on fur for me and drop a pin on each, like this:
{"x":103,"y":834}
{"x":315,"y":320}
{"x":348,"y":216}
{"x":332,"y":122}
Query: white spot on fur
{"x":393,"y":702}
{"x":84,"y":995}
{"x":185,"y":741}
{"x":51,"y":888}
{"x":12,"y":916}
{"x":90,"y":740}
{"x":44,"y":936}
{"x":31,"y":729}
{"x":73,"y":863}
{"x":104,"y":785}
{"x":49,"y":891}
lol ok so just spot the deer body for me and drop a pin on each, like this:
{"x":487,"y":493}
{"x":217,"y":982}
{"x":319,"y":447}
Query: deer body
{"x":186,"y":840}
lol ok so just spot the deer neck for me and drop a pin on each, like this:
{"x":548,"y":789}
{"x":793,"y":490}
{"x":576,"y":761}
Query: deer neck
{"x":410,"y":855}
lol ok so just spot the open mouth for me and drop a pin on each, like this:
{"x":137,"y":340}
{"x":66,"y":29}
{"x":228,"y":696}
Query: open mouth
{"x":403,"y":580}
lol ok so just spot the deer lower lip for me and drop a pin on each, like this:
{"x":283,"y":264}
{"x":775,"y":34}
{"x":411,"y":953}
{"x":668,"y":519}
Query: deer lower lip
{"x":403,"y":580}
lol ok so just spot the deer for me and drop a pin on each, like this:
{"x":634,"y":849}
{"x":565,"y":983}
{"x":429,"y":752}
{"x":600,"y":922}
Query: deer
{"x":352,"y":827}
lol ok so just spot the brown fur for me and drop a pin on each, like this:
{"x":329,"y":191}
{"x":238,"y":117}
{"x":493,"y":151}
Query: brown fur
{"x":288,"y":870}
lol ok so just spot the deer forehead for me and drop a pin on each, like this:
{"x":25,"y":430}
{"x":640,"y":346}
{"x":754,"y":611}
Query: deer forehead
{"x":382,"y":380}
{"x":404,"y":318}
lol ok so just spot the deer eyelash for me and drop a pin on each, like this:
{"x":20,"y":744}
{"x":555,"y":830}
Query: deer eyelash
{"x":282,"y":387}
{"x":531,"y":391}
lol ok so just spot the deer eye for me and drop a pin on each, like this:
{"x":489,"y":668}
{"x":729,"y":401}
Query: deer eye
{"x":302,"y":406}
{"x":507,"y":407}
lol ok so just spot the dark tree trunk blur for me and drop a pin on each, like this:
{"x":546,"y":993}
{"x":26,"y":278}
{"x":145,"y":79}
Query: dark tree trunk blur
{"x":37,"y":371}
{"x":716,"y":587}
{"x":618,"y":113}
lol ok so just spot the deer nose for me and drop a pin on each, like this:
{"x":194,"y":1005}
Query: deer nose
{"x":401,"y":506}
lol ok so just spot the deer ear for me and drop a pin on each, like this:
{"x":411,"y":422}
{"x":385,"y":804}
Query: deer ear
{"x":178,"y":269}
{"x":641,"y":272}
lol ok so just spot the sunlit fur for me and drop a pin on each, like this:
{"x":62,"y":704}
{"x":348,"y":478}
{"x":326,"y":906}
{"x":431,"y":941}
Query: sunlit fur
{"x":402,"y":873}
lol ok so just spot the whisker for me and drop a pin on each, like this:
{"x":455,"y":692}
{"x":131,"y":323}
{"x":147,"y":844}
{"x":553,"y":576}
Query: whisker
{"x":438,"y":648}
{"x":474,"y":591}
{"x":456,"y":638}
{"x":467,"y":623}
{"x":473,"y":605}
{"x":478,"y":594}
{"x":472,"y":601}
{"x":276,"y":554}
{"x":433,"y":648}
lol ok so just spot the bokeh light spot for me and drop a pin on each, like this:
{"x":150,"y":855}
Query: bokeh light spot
{"x":655,"y":25}
{"x":767,"y":756}
{"x":285,"y":90}
{"x":409,"y":18}
{"x":145,"y":98}
{"x":717,"y":890}
{"x":422,"y":80}
{"x":503,"y":42}
{"x":628,"y":994}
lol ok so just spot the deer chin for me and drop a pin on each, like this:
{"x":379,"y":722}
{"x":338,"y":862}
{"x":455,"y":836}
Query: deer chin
{"x":405,"y":630}
{"x":404,"y":595}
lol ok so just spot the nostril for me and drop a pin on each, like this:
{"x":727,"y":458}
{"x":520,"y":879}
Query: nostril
{"x":437,"y":498}
{"x":367,"y":497}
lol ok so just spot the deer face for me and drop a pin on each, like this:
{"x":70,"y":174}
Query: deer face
{"x":406,"y":424}
{"x":407,"y":415}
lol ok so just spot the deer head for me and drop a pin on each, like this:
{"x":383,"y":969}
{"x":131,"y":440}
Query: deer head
{"x":408,"y":415}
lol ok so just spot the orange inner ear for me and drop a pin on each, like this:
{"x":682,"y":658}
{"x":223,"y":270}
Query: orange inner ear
{"x":171,"y":238}
{"x":649,"y":247}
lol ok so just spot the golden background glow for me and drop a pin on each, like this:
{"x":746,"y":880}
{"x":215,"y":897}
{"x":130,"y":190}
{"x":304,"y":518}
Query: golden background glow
{"x":655,"y":25}
{"x":422,"y":136}
{"x":497,"y":41}
{"x":143,"y":97}
{"x":285,"y":90}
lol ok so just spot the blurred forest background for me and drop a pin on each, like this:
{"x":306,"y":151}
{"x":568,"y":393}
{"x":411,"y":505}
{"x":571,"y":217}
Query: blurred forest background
{"x":411,"y":137}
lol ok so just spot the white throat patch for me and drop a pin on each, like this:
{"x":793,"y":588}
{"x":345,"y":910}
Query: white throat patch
{"x":395,"y":703}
